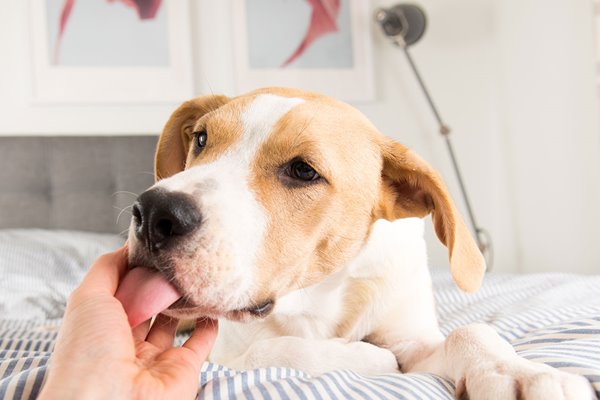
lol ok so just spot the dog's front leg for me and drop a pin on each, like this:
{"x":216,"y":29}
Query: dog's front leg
{"x":484,"y":366}
{"x":316,"y":356}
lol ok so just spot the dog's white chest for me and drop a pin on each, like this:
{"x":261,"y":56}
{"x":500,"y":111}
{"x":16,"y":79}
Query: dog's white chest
{"x":313,"y":312}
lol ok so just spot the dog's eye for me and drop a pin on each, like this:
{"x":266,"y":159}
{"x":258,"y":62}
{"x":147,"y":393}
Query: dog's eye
{"x":200,"y":138}
{"x":302,"y":171}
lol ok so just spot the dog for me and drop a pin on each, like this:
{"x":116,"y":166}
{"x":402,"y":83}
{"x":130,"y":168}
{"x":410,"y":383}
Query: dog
{"x":289,"y":217}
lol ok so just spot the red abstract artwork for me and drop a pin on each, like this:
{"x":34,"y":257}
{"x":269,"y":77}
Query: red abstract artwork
{"x":323,"y":20}
{"x":146,"y":9}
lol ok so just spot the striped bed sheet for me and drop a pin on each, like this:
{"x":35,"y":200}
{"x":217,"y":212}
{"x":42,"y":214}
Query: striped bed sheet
{"x":550,"y":318}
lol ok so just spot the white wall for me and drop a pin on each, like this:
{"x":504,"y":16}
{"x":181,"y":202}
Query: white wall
{"x":550,"y":115}
{"x":515,"y":79}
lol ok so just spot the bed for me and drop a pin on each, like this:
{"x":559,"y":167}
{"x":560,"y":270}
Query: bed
{"x":50,"y":232}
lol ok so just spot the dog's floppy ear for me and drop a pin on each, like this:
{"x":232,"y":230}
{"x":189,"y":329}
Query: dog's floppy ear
{"x":174,"y":142}
{"x":411,"y":188}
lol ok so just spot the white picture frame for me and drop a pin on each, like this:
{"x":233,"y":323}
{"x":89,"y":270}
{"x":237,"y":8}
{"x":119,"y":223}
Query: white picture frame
{"x":353,"y":84}
{"x":135,"y":84}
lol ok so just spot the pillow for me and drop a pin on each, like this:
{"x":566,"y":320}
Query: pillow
{"x":40,"y":268}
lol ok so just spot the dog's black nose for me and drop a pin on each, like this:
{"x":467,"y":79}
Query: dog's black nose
{"x":161,"y":216}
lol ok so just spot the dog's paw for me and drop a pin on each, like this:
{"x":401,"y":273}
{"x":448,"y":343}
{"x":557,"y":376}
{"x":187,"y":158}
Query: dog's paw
{"x":373,"y":360}
{"x":522,"y":379}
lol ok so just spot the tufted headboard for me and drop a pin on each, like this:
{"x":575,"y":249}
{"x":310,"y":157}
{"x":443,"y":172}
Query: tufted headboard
{"x":79,"y":183}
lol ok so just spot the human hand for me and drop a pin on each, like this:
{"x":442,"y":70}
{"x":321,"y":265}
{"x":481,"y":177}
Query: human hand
{"x":98,"y":355}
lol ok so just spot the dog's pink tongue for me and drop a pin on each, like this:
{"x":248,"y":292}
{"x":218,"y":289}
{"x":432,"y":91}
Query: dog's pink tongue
{"x":145,"y":293}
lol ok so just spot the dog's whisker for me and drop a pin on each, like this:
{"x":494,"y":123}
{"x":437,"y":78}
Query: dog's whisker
{"x":297,"y":139}
{"x":124,"y":192}
{"x":300,"y":287}
{"x":210,"y":89}
{"x":123,"y":232}
{"x":124,"y":209}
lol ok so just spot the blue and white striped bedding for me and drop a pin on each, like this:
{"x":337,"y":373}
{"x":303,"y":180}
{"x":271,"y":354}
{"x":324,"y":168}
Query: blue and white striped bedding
{"x":550,"y":318}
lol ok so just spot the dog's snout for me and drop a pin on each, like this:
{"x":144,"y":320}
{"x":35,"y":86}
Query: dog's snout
{"x":160,"y":217}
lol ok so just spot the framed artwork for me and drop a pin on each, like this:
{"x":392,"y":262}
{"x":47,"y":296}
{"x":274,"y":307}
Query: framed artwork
{"x":320,"y":45}
{"x":110,"y":51}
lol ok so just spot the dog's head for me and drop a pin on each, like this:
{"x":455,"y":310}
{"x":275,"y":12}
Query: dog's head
{"x":273,"y":191}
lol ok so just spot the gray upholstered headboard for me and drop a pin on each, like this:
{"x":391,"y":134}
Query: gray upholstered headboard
{"x":72,"y":182}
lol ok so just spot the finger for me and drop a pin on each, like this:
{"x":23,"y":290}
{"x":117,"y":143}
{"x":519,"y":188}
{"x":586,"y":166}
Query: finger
{"x":202,"y":338}
{"x":162,"y":332}
{"x":106,"y":272}
{"x":141,"y":331}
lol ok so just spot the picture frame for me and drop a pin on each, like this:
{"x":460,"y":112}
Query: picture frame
{"x":352,"y":81}
{"x":81,"y":84}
